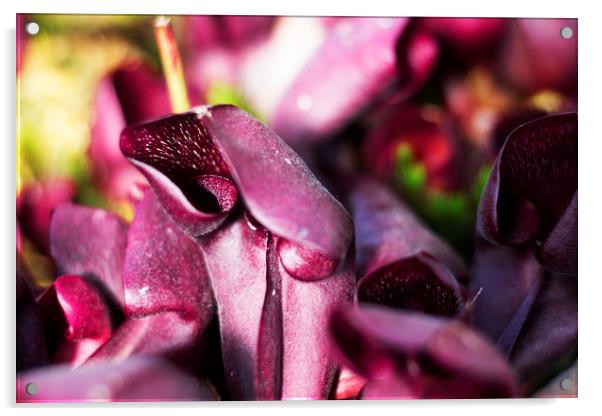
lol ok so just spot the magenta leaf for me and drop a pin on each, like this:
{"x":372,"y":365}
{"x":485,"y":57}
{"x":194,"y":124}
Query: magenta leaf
{"x":411,"y":355}
{"x":168,"y":298}
{"x":503,"y":276}
{"x":308,"y":369}
{"x":356,"y":62}
{"x":226,"y":142}
{"x":166,"y":334}
{"x":266,"y":171}
{"x":521,"y":205}
{"x":135,"y":380}
{"x":387,"y":231}
{"x":35,"y":204}
{"x":467,"y":37}
{"x":230,"y":182}
{"x":418,"y":283}
{"x":128,"y":95}
{"x":531,"y":314}
{"x":90,"y":242}
{"x":535,"y":56}
{"x":77,"y":318}
{"x":163,"y":268}
{"x":548,"y":341}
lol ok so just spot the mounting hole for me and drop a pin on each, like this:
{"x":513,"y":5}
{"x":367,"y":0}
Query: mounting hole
{"x":566,"y":384}
{"x":31,"y":389}
{"x":32,"y":28}
{"x":566,"y":32}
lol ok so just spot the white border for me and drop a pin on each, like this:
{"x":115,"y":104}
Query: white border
{"x":590,"y":152}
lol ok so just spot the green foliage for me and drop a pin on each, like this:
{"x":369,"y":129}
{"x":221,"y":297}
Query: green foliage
{"x":450,"y":214}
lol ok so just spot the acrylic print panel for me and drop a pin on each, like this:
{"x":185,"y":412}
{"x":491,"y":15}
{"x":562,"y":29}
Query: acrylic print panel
{"x":276,"y":208}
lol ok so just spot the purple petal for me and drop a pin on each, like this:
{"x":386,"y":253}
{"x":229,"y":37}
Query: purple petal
{"x":503,"y":276}
{"x":31,"y":348}
{"x":131,"y":94}
{"x":226,"y":31}
{"x":283,"y":329}
{"x":418,"y":283}
{"x":35,"y":204}
{"x":506,"y":125}
{"x":163,"y":268}
{"x":309,"y":370}
{"x":520,"y":204}
{"x":536,"y":57}
{"x":137,"y":379}
{"x":239,"y":285}
{"x":356,"y":61}
{"x":418,"y":355}
{"x":142,"y":95}
{"x":387,"y":231}
{"x":167,"y":334}
{"x":549,"y":338}
{"x":272,"y":178}
{"x":559,"y":251}
{"x":166,"y":287}
{"x":77,"y":316}
{"x":175,"y":154}
{"x":278,"y":349}
{"x":467,"y":36}
{"x":89,"y":242}
{"x":224,"y":141}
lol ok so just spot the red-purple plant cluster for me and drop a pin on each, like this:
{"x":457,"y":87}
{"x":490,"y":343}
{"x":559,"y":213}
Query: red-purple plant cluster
{"x":284,"y":260}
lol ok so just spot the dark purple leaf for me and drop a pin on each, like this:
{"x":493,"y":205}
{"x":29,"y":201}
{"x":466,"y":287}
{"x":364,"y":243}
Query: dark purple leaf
{"x":275,"y":243}
{"x":90,"y":242}
{"x":308,"y":368}
{"x":31,"y":344}
{"x":548,"y":340}
{"x":137,"y":379}
{"x":418,"y":283}
{"x":223,"y":141}
{"x":236,"y":262}
{"x":503,"y":278}
{"x":520,"y":204}
{"x":410,"y":355}
{"x":529,"y":313}
{"x":467,"y":37}
{"x":280,"y":191}
{"x":387,"y":231}
{"x":163,"y":268}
